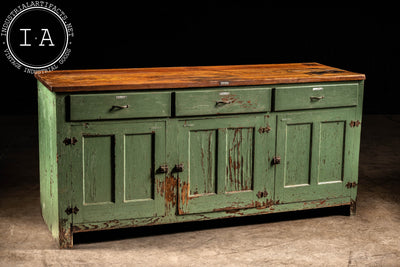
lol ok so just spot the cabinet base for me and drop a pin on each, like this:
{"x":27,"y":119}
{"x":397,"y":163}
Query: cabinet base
{"x":66,"y":235}
{"x":65,"y":239}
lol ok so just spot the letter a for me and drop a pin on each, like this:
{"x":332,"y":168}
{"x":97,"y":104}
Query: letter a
{"x":46,"y":39}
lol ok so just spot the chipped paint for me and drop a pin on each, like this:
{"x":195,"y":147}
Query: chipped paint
{"x":167,"y":189}
{"x":65,"y":238}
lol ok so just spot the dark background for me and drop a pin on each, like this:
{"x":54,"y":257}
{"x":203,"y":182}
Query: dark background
{"x":116,"y":35}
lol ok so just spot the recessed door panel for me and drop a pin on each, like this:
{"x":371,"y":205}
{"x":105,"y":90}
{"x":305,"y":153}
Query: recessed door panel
{"x":139,"y":167}
{"x":331,"y":155}
{"x":98,"y":169}
{"x":203,"y":155}
{"x":298,"y":154}
{"x":240,"y":153}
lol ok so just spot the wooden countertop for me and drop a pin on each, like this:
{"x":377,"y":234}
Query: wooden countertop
{"x":185,"y":77}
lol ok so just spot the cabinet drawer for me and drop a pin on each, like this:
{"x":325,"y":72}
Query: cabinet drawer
{"x":208,"y":102}
{"x":120,"y":106}
{"x":316,"y":96}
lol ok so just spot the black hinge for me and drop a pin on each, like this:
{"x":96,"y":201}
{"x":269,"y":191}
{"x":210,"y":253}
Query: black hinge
{"x":355,"y":123}
{"x":351,"y":184}
{"x":70,"y":210}
{"x":70,"y":141}
{"x":264,"y":129}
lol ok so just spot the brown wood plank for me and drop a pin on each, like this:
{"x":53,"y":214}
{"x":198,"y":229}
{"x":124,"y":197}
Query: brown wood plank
{"x":184,"y":77}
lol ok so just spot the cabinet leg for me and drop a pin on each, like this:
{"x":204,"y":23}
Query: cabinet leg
{"x":353,"y":207}
{"x":65,"y":239}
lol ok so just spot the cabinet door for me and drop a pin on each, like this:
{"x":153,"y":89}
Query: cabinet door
{"x":316,"y":150}
{"x":225,"y":163}
{"x":114,"y":170}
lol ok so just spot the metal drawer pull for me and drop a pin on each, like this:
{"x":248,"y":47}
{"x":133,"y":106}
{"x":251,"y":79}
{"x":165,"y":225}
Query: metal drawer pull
{"x":224,"y":102}
{"x":316,"y":97}
{"x":120,"y":107}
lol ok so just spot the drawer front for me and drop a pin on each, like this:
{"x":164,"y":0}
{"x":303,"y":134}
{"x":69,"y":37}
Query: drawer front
{"x":316,"y":96}
{"x":210,"y":102}
{"x":120,"y":106}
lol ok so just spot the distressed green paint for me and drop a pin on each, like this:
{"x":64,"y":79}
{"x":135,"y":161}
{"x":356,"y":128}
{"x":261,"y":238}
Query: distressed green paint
{"x":116,"y":174}
{"x":240,"y":148}
{"x":105,"y":106}
{"x":331,"y":157}
{"x":48,"y":158}
{"x":219,"y":101}
{"x":139,"y":160}
{"x":301,"y":152}
{"x":298,"y":153}
{"x":242,"y":156}
{"x":85,"y":227}
{"x":296,"y":97}
{"x":203,"y":162}
{"x":111,"y":176}
{"x":98,"y":169}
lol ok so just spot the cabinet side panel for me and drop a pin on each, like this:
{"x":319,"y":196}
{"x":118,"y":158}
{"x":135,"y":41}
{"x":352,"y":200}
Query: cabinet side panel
{"x":356,"y":145}
{"x":48,"y":157}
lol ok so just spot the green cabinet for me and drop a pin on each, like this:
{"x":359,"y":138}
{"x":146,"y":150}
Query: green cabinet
{"x":146,"y":152}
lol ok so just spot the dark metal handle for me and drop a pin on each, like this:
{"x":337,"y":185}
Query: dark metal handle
{"x":316,"y":97}
{"x":224,"y":102}
{"x":178,"y":168}
{"x":276,"y":160}
{"x":162,"y":169}
{"x":120,"y":107}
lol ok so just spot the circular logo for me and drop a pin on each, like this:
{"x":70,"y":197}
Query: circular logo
{"x":37,"y":36}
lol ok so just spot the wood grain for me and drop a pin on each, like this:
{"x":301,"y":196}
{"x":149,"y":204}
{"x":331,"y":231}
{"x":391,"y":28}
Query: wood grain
{"x":185,"y":77}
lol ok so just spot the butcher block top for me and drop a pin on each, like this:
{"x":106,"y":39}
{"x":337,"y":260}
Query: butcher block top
{"x":189,"y":77}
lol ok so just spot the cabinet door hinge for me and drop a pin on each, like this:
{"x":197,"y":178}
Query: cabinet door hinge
{"x":70,"y":210}
{"x":70,"y":141}
{"x":355,"y":123}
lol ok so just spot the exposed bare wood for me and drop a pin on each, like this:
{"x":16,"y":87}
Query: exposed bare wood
{"x":183,"y":77}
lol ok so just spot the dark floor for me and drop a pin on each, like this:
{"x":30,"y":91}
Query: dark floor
{"x":317,"y":238}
